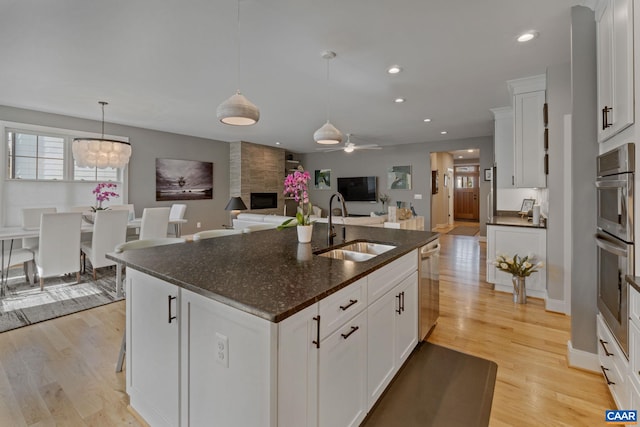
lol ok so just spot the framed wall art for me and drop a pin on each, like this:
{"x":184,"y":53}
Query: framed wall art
{"x":399,"y":178}
{"x":183,"y":180}
{"x":322,"y":179}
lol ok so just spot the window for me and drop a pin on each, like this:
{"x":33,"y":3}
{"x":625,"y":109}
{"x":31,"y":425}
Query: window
{"x":40,"y":155}
{"x":33,"y":156}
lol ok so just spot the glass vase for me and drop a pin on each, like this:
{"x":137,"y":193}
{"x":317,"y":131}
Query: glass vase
{"x":519,"y":289}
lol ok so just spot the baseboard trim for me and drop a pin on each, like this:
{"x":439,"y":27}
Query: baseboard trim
{"x":557,"y":306}
{"x":582,"y":359}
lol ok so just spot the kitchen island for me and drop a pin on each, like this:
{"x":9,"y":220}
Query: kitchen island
{"x":256,"y":329}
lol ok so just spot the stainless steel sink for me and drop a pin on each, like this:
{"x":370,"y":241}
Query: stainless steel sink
{"x":357,"y":251}
{"x":368,"y":248}
{"x":347,"y":255}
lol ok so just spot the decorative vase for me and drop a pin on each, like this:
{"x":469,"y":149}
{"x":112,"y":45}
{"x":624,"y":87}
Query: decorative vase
{"x":519,"y":290}
{"x":304,"y":233}
{"x":304,"y":252}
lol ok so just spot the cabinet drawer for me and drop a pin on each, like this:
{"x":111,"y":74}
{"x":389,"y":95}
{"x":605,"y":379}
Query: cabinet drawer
{"x":614,"y":363}
{"x":341,"y":306}
{"x":382,"y":280}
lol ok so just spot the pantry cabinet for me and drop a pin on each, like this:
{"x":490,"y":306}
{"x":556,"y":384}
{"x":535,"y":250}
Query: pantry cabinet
{"x":503,"y":146}
{"x":614,"y":35}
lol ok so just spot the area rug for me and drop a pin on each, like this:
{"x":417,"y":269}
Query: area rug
{"x":438,"y":387}
{"x":464,"y":230}
{"x":25,"y":304}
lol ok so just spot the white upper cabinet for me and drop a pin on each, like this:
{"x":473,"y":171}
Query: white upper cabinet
{"x":529,"y":131}
{"x":614,"y":22}
{"x":503,"y":146}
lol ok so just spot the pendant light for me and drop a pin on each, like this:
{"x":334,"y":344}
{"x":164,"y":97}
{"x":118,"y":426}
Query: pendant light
{"x":101,"y":153}
{"x":237,"y":110}
{"x":328,"y":134}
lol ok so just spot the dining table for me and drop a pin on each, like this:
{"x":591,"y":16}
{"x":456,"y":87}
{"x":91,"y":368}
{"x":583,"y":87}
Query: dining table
{"x":9,"y":234}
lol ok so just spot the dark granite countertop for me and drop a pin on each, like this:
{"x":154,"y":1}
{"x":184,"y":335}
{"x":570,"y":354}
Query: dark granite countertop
{"x":515,"y":220}
{"x":634,"y":281}
{"x":268,"y":273}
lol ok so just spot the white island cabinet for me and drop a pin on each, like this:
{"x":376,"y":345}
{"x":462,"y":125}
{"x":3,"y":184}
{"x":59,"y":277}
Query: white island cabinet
{"x":217,"y":365}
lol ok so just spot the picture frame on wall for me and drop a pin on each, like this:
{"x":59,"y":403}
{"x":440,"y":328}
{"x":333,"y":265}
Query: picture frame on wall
{"x":488,"y":174}
{"x":322,"y":179}
{"x":399,"y":178}
{"x":183,"y":180}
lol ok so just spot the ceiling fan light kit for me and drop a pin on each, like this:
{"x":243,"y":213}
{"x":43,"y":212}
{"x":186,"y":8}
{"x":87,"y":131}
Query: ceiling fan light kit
{"x":328,"y":134}
{"x":101,"y":153}
{"x":237,"y":110}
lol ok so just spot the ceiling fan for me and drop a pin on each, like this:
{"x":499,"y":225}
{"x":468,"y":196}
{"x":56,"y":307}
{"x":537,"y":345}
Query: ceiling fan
{"x":349,"y":146}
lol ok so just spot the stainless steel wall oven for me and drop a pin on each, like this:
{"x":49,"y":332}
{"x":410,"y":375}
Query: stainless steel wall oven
{"x":614,"y":238}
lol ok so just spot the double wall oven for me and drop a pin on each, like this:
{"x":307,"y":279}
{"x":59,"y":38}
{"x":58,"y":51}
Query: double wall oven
{"x":614,"y":238}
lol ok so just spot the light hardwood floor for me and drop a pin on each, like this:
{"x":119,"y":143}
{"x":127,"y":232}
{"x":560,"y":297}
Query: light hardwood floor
{"x":61,"y":372}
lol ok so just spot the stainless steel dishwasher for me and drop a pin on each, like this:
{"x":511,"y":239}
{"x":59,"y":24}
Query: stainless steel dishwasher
{"x":429,"y":288}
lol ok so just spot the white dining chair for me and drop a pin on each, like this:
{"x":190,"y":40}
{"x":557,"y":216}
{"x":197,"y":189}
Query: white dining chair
{"x":81,"y":209}
{"x":176,"y":213}
{"x":58,"y":250}
{"x":209,"y":234}
{"x":31,"y":221}
{"x":128,"y":207}
{"x":17,"y":256}
{"x":109,"y":230}
{"x":154,"y":223}
{"x":127,"y":246}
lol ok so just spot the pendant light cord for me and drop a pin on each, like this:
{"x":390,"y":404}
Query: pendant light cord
{"x":103,"y":103}
{"x":238,"y":49}
{"x":328,"y":89}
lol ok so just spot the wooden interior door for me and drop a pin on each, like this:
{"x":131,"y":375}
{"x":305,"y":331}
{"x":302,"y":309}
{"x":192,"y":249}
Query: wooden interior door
{"x":466,"y":202}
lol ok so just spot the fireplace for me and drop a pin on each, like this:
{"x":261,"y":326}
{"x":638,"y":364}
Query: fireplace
{"x":264,"y":200}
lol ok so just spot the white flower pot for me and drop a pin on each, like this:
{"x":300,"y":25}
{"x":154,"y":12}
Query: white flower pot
{"x":304,"y":233}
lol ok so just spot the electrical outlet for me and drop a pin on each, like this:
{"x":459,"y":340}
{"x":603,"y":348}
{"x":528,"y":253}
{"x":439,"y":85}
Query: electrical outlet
{"x":417,"y":196}
{"x":198,"y":225}
{"x":222,"y":349}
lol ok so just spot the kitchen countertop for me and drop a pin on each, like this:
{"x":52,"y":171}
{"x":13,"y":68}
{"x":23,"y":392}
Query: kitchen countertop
{"x":634,"y":281}
{"x":516,"y":221}
{"x":268,"y":273}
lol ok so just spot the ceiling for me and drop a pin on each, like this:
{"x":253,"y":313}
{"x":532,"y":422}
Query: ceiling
{"x":167,"y":65}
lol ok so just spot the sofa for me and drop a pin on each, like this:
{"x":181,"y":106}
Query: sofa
{"x":246,"y":219}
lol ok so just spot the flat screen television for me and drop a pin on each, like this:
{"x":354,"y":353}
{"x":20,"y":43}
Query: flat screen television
{"x":358,"y":189}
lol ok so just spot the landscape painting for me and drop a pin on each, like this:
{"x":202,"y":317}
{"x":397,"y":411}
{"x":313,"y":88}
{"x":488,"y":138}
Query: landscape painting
{"x":183,"y":180}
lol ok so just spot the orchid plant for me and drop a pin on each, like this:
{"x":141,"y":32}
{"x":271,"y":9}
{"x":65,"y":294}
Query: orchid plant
{"x":296,"y":186}
{"x":104,"y":193}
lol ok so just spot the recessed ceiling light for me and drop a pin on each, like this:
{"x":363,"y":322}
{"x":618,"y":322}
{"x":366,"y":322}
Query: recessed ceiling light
{"x":525,"y":37}
{"x":399,"y":100}
{"x":277,"y":143}
{"x":394,"y":69}
{"x":426,"y":120}
{"x":444,"y":132}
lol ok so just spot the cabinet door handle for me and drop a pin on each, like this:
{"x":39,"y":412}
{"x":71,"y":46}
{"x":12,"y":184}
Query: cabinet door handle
{"x":399,"y":309}
{"x":351,"y":302}
{"x":513,"y":180}
{"x":170,"y":298}
{"x":605,"y":117}
{"x":402,"y":300}
{"x":317,"y":340}
{"x":353,"y":329}
{"x":604,"y":372}
{"x":606,"y":352}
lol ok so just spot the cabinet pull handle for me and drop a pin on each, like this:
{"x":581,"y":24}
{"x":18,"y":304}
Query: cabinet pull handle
{"x":402,"y":299}
{"x":399,"y":309}
{"x":317,"y":340}
{"x":170,"y":298}
{"x":353,"y":329}
{"x":513,"y":180}
{"x":604,"y":372}
{"x":605,"y":117}
{"x":351,"y":302}
{"x":606,"y":352}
